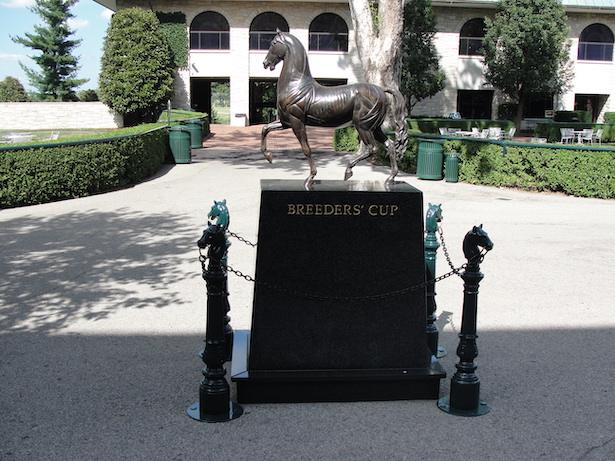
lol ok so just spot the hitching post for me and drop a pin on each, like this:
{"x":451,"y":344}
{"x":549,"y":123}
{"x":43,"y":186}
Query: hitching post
{"x":214,"y":403}
{"x":432,"y":218}
{"x":464,"y":399}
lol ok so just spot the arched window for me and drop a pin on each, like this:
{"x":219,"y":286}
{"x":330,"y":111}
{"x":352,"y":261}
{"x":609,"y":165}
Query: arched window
{"x":263,"y":29}
{"x":209,"y":31}
{"x":471,"y":37}
{"x":596,"y":43}
{"x":328,"y":32}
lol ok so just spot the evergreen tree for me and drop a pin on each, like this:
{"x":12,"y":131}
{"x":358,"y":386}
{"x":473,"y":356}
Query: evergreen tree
{"x":11,"y":90}
{"x":421,"y":76}
{"x":527,"y":49}
{"x":57,"y":78}
{"x":136,"y":76}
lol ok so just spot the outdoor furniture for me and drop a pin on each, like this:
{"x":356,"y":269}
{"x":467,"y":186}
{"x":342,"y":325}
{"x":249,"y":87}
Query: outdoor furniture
{"x":509,"y":134}
{"x":495,"y":133}
{"x":567,"y":135}
{"x":475,"y":132}
{"x":443,"y":131}
{"x":538,"y":140}
{"x":484,"y":133}
{"x":586,"y":135}
{"x":18,"y":137}
{"x":54,"y":135}
{"x":598,"y":135}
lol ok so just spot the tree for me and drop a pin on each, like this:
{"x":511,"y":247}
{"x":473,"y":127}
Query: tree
{"x":378,"y":30}
{"x":11,"y":90}
{"x":87,"y":95}
{"x":57,"y":78}
{"x":527,"y":49}
{"x":421,"y":76}
{"x":136,"y":76}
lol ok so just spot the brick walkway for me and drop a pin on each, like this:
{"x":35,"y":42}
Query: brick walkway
{"x":249,"y":138}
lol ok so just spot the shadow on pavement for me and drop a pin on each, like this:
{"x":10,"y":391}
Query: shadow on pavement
{"x":124,"y":397}
{"x":87,"y":264}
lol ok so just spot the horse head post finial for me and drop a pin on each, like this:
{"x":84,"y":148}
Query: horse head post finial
{"x":474,"y":240}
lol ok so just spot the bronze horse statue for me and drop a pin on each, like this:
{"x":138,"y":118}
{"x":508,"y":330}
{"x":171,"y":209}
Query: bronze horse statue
{"x":302,"y":101}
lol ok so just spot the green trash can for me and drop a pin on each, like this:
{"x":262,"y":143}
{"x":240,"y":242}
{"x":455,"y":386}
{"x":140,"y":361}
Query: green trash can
{"x":196,"y":132}
{"x":451,"y":167}
{"x":179,"y":140}
{"x":430,"y":159}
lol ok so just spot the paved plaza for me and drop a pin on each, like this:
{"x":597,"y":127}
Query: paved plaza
{"x":102,"y":314}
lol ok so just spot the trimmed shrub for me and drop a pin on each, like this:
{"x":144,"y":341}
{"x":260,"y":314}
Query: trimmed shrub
{"x":11,"y":90}
{"x":609,"y":117}
{"x":582,"y":173}
{"x":38,"y":175}
{"x":551,"y":131}
{"x":579,"y":116}
{"x":136,"y":76}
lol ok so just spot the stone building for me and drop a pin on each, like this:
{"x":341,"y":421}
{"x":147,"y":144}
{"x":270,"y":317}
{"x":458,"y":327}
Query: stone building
{"x":229,"y":40}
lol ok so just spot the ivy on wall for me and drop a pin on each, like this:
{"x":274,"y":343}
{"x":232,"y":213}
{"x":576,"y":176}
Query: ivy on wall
{"x":173,"y":26}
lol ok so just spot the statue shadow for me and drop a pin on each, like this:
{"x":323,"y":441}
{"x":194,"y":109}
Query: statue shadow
{"x":87,"y":265}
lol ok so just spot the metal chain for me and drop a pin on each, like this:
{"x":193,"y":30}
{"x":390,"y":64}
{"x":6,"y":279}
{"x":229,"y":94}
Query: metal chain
{"x":241,"y":239}
{"x":445,"y":251}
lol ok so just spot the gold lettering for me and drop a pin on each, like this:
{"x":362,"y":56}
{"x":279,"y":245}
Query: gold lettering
{"x":356,"y":210}
{"x":394,"y":208}
{"x":372,"y":210}
{"x":300,"y":209}
{"x":318,"y":209}
{"x":291,"y":209}
{"x":329,"y":209}
{"x":338,"y":209}
{"x":309,"y":209}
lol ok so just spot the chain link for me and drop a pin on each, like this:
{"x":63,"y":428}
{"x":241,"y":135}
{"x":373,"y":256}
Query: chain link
{"x":241,"y":239}
{"x":454,"y":271}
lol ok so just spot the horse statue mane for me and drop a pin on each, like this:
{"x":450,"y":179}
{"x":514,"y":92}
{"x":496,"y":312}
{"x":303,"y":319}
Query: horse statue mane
{"x":219,"y":213}
{"x":304,"y":102}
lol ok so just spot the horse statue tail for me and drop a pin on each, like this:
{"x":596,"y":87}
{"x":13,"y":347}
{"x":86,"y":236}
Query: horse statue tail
{"x":399,"y":116}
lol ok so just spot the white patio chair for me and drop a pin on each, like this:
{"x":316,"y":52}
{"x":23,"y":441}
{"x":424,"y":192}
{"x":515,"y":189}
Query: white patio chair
{"x":54,"y":135}
{"x":567,"y":135}
{"x":510,"y":133}
{"x":443,"y":131}
{"x":495,"y":132}
{"x":475,"y":132}
{"x":587,"y":135}
{"x":484,"y":134}
{"x":598,"y":135}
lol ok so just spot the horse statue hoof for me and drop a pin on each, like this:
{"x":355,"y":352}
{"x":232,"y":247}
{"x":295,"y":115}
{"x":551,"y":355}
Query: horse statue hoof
{"x":347,"y":174}
{"x":309,"y":181}
{"x":268,"y":156}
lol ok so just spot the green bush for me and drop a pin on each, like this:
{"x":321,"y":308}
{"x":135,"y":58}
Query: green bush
{"x":136,"y":76}
{"x":507,"y":111}
{"x":576,"y":172}
{"x":432,"y":125}
{"x":579,"y":116}
{"x":173,"y":26}
{"x":551,"y":131}
{"x":11,"y":90}
{"x":37,"y":175}
{"x":609,"y":117}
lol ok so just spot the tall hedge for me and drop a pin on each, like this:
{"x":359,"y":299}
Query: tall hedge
{"x":574,"y":172}
{"x":136,"y":76}
{"x":38,"y":175}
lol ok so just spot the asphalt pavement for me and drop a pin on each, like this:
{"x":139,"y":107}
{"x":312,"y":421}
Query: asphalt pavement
{"x":102,"y":314}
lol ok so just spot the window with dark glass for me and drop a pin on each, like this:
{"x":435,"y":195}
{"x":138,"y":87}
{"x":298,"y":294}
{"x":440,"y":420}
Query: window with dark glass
{"x":475,"y":103}
{"x":263,"y":29}
{"x":596,"y":43}
{"x":209,"y":31}
{"x":471,"y":37}
{"x":328,"y":32}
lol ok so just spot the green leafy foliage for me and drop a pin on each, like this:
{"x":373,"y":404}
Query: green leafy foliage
{"x":11,"y":90}
{"x":574,"y":172}
{"x":136,"y":76}
{"x":173,"y":26}
{"x":38,"y":175}
{"x":527,"y":49}
{"x":57,"y":78}
{"x":582,"y":116}
{"x":421,"y":76}
{"x":609,"y":117}
{"x":433,"y":125}
{"x":87,"y":95}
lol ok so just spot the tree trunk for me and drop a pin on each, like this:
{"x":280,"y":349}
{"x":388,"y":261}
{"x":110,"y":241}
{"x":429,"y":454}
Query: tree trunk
{"x":519,"y":114}
{"x":379,"y":45}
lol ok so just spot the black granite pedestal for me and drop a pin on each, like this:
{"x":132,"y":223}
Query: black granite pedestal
{"x":333,"y":317}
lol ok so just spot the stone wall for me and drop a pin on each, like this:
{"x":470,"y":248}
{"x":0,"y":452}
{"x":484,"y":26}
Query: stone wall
{"x":57,"y":116}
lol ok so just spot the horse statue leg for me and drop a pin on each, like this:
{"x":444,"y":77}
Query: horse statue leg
{"x":299,"y":130}
{"x":390,"y":145}
{"x":369,"y":143}
{"x":273,"y":126}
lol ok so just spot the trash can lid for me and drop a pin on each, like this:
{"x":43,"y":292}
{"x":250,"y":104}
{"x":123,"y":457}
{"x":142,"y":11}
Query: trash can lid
{"x":179,"y":128}
{"x":437,"y":141}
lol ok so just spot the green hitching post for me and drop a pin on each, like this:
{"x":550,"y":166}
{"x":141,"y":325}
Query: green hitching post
{"x":432,"y":218}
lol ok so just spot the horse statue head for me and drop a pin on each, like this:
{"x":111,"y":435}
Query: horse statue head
{"x":474,"y":240}
{"x":277,"y":51}
{"x":433,"y":217}
{"x":214,"y":236}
